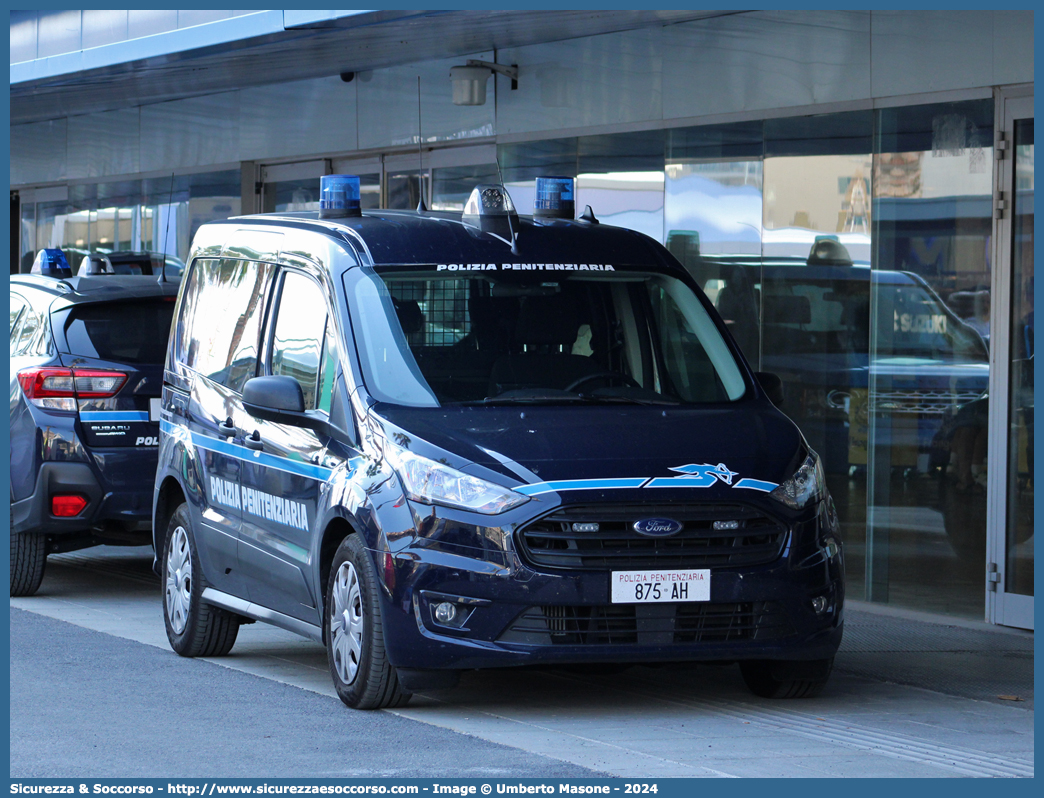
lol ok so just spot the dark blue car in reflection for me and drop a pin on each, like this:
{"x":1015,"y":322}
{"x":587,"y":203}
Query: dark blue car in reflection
{"x":809,"y":321}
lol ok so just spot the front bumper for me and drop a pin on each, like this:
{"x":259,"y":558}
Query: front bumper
{"x":510,"y":613}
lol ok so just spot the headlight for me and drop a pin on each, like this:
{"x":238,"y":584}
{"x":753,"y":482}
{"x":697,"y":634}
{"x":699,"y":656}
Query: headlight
{"x":434,"y":483}
{"x":806,"y":486}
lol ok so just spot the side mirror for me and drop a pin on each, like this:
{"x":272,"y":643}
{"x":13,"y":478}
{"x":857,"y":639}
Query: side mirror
{"x":273,"y":394}
{"x":770,"y":383}
{"x":281,"y":400}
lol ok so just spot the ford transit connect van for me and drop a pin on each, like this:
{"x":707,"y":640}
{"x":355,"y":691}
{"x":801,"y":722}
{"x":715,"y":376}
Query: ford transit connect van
{"x":438,"y":442}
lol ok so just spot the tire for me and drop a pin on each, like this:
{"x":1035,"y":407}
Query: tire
{"x":28,"y":558}
{"x":785,"y":679}
{"x":359,"y":666}
{"x":194,"y":629}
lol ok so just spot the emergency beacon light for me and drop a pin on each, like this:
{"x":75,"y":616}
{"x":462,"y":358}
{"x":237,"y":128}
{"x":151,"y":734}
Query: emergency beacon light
{"x":51,"y":263}
{"x":339,"y":196}
{"x":554,"y":198}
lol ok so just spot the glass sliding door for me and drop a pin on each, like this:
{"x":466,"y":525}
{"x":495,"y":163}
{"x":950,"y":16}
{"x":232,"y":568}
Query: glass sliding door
{"x":290,"y":187}
{"x":406,"y":181}
{"x":929,"y":363}
{"x":368,"y":170}
{"x":712,"y":219}
{"x":815,"y":297}
{"x":455,"y":171}
{"x":1009,"y":567}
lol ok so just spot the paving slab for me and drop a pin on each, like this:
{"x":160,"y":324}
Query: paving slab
{"x":903,"y":700}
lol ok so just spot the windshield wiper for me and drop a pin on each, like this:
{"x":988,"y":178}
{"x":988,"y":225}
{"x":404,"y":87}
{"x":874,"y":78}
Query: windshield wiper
{"x":521,"y":400}
{"x":628,"y":400}
{"x":586,"y":399}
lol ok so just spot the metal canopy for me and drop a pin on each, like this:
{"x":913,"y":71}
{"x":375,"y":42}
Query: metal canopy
{"x":276,"y":47}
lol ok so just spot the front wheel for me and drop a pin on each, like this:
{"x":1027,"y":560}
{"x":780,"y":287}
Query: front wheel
{"x":194,"y":629}
{"x":28,"y":558}
{"x":785,"y":679}
{"x":362,"y":674}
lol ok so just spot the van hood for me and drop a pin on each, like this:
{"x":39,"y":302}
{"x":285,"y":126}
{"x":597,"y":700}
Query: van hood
{"x":551,"y":444}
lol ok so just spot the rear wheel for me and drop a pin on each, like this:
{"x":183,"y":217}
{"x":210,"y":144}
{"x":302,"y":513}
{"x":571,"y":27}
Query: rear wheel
{"x":28,"y":558}
{"x":362,"y":674}
{"x":194,"y":629}
{"x":786,"y":679}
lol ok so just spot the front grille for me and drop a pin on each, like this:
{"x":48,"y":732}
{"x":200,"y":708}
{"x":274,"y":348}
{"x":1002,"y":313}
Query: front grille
{"x":550,"y":542}
{"x":649,"y":624}
{"x":923,"y":402}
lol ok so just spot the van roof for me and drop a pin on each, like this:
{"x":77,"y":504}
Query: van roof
{"x":411,"y":237}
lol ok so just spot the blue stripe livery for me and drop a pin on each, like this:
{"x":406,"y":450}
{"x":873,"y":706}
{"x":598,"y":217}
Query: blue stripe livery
{"x":249,"y":455}
{"x":113,"y":415}
{"x":756,"y":484}
{"x":580,"y":484}
{"x":690,"y":476}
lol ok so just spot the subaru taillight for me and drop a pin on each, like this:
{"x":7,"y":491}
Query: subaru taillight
{"x":59,"y":388}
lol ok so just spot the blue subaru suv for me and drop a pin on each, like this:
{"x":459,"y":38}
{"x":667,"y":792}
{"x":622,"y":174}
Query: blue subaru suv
{"x":86,"y":372}
{"x":437,"y":442}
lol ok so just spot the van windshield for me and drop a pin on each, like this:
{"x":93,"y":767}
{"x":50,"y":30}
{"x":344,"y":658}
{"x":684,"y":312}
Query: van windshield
{"x":498,"y":336}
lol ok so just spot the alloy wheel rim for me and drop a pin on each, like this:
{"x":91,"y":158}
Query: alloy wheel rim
{"x":179,"y":580}
{"x":346,"y":623}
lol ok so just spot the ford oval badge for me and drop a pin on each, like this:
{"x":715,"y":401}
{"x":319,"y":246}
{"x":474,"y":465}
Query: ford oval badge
{"x":656,"y":527}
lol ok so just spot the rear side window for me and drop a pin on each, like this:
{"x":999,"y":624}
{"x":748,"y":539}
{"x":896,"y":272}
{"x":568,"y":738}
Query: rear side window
{"x":127,"y":332}
{"x":222,"y":308}
{"x":25,"y":332}
{"x":17,"y":306}
{"x":297,"y":343}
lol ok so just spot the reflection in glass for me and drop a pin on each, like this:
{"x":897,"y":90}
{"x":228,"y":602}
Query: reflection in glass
{"x":1019,"y":565}
{"x":297,"y":339}
{"x":625,"y":199}
{"x":287,"y":196}
{"x":406,"y":187}
{"x":813,"y":195}
{"x":713,"y":208}
{"x":621,"y":177}
{"x":928,"y":370}
{"x":152,"y":215}
{"x":451,"y":186}
{"x":370,"y":191}
{"x":231,"y":294}
{"x":28,"y":237}
{"x":815,"y":299}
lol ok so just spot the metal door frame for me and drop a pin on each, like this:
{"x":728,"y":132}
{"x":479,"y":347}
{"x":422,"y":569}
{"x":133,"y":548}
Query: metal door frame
{"x":1008,"y":609}
{"x":296,"y":170}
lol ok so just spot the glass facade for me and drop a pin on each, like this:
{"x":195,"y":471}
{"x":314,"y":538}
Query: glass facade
{"x":451,"y":186}
{"x":1019,"y":534}
{"x":154,"y":214}
{"x":849,"y":253}
{"x":929,"y":366}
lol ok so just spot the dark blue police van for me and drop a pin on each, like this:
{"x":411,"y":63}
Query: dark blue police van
{"x":438,"y":442}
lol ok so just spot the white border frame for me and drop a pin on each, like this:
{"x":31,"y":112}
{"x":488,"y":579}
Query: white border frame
{"x":1007,"y":609}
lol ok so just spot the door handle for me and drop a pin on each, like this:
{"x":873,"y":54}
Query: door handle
{"x":226,"y":427}
{"x":254,"y":442}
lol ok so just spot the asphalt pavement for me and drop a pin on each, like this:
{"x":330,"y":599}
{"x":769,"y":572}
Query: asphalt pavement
{"x":87,"y":704}
{"x":96,"y":691}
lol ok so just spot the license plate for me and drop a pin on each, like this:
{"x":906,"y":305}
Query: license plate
{"x":154,"y":409}
{"x":650,"y":587}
